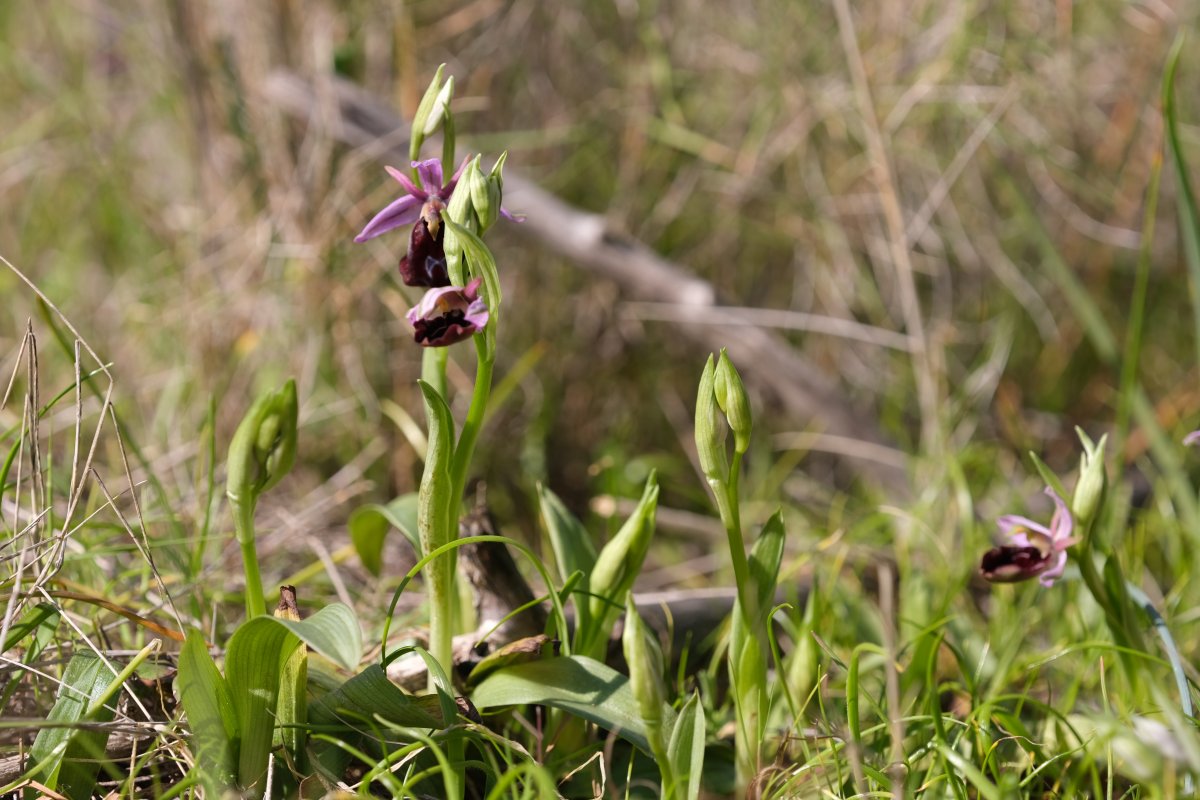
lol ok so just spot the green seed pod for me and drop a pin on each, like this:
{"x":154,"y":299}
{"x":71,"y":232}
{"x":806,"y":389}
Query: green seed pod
{"x":710,"y":429}
{"x":264,"y":445}
{"x":732,"y":398}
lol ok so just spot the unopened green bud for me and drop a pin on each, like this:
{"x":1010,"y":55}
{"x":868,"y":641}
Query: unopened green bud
{"x":440,"y":108}
{"x":461,"y":211}
{"x":711,"y":430}
{"x":645,"y":659}
{"x":436,"y":97}
{"x":481,"y":195}
{"x":621,"y":558}
{"x":264,"y":445}
{"x":1093,"y":480}
{"x":733,"y":400}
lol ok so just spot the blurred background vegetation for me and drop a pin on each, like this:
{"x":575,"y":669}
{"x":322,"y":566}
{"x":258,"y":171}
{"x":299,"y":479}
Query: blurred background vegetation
{"x":199,"y":239}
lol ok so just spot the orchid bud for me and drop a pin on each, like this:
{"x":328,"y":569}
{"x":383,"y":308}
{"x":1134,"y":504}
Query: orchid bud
{"x":645,"y":659}
{"x":487,"y":193}
{"x":264,"y":445}
{"x":440,"y":108}
{"x":461,"y":210}
{"x":710,"y":429}
{"x":432,"y":108}
{"x":733,"y":400}
{"x":621,"y":558}
{"x":1089,"y":490}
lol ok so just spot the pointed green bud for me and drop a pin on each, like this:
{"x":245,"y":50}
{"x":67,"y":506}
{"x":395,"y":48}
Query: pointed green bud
{"x":264,"y":445}
{"x":644,"y":657}
{"x":733,"y":400}
{"x":711,"y":430}
{"x":621,"y":558}
{"x":1092,"y":483}
{"x":424,"y":116}
{"x":460,"y":210}
{"x":481,"y":195}
{"x":440,"y":108}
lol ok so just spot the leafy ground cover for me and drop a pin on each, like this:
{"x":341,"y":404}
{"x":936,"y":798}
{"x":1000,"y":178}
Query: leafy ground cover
{"x":974,"y":221}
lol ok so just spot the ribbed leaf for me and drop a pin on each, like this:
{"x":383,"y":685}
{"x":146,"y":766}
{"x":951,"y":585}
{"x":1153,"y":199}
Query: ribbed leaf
{"x":686,"y":750}
{"x":333,"y":632}
{"x":257,"y":653}
{"x":210,"y":715}
{"x":369,"y":695}
{"x":41,"y":620}
{"x":69,"y":758}
{"x":765,"y":557}
{"x":577,"y":684}
{"x":572,"y":546}
{"x":370,"y":524}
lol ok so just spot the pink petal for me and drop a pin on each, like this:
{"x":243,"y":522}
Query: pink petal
{"x":407,"y":183}
{"x":430,"y":173}
{"x":398,"y":213}
{"x":1192,"y":438}
{"x":1061,"y":524}
{"x":1048,"y":577}
{"x":1011,"y":522}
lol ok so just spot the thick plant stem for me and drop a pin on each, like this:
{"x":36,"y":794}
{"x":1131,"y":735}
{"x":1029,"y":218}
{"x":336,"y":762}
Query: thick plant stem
{"x":471,"y":426}
{"x":243,"y":522}
{"x":433,"y":368}
{"x":441,"y":613}
{"x":726,"y":495}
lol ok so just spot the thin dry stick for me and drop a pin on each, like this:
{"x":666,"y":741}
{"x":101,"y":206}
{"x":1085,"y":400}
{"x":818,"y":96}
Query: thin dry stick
{"x":897,"y":237}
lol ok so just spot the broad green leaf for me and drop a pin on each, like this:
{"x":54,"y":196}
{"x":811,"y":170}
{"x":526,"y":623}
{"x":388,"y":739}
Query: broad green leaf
{"x":369,"y":526}
{"x":577,"y":684}
{"x":572,"y":546}
{"x":257,"y":653}
{"x":68,"y":757}
{"x":369,"y":695}
{"x":686,"y":750}
{"x":333,"y":632}
{"x":210,"y":716}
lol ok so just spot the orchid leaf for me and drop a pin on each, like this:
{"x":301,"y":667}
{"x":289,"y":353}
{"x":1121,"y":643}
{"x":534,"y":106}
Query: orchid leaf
{"x":370,"y":524}
{"x":686,"y":750}
{"x":211,"y":719}
{"x":577,"y":684}
{"x":68,"y":757}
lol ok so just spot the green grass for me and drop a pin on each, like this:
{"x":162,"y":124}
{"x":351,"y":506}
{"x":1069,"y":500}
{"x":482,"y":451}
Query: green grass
{"x":198,"y":242}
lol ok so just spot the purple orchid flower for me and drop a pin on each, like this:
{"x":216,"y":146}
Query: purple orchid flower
{"x":1192,"y":438}
{"x":448,"y":314}
{"x":1032,"y":549}
{"x":425,"y":262}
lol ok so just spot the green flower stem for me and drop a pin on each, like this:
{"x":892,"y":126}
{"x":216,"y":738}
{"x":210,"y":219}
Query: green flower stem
{"x":726,"y":495}
{"x":485,"y":360}
{"x":243,"y":523}
{"x":433,"y":368}
{"x":441,"y":611}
